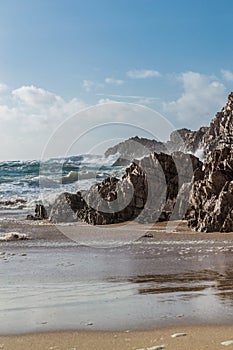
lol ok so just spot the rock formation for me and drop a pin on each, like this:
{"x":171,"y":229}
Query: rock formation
{"x":147,"y":193}
{"x":136,"y":147}
{"x":164,"y":184}
{"x":40,"y":213}
{"x":220,"y":132}
{"x":212,"y":194}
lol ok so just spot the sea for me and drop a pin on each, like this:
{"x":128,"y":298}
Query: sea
{"x":26,"y":183}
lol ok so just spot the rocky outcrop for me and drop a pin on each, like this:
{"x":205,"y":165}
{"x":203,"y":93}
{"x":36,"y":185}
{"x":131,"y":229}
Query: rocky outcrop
{"x":146,"y":193}
{"x":183,"y":140}
{"x":40,"y":213}
{"x":212,"y":194}
{"x":136,"y":147}
{"x":220,"y":131}
{"x":186,"y":140}
{"x":66,"y":207}
{"x":164,"y":184}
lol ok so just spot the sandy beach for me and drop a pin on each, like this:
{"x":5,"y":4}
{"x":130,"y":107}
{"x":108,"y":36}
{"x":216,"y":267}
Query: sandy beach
{"x":58,"y":294}
{"x":195,"y":338}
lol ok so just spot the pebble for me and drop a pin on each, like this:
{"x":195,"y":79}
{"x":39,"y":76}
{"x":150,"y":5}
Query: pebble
{"x":23,"y":254}
{"x":89,"y":324}
{"x":157,"y":347}
{"x":2,"y":253}
{"x":176,"y":335}
{"x":227,"y":342}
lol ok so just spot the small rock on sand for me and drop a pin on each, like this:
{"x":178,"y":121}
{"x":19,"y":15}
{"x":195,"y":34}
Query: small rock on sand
{"x":176,"y":335}
{"x":227,"y":342}
{"x":157,"y":347}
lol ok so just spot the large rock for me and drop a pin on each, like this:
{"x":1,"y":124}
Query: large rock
{"x":66,"y":207}
{"x":147,"y":193}
{"x":212,"y":194}
{"x":136,"y":147}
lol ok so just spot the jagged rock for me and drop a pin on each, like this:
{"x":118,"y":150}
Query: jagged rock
{"x":40,"y":213}
{"x":186,"y":140}
{"x":212,"y":194}
{"x":220,"y":132}
{"x":147,"y":193}
{"x":66,"y":206}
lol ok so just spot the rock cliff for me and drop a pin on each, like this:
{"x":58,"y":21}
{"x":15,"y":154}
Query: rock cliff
{"x":212,"y":194}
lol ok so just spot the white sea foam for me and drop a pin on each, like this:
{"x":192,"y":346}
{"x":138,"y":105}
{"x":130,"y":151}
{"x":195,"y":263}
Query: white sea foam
{"x":13,"y":236}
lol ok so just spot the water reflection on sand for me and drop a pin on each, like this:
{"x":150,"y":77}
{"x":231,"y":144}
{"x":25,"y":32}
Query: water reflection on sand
{"x":57,"y":284}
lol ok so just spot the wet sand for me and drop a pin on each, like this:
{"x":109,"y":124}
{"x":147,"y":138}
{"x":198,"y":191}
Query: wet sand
{"x":196,"y":338}
{"x":178,"y":279}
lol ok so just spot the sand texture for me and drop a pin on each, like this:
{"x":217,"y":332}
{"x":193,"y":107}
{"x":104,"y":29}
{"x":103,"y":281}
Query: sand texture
{"x":196,"y":338}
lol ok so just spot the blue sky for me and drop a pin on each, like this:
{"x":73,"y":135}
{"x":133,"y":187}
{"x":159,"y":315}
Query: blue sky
{"x":58,"y":57}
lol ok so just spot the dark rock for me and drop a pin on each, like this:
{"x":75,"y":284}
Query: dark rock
{"x":40,"y":213}
{"x":66,"y":207}
{"x":147,"y":193}
{"x":136,"y":147}
{"x":212,"y":194}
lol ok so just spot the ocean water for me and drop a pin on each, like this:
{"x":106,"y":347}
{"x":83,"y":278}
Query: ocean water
{"x":25,"y":183}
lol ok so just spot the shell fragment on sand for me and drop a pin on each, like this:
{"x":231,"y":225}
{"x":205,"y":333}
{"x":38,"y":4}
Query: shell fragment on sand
{"x":176,"y":335}
{"x":227,"y":342}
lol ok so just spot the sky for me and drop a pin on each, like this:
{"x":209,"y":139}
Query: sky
{"x":59,"y":58}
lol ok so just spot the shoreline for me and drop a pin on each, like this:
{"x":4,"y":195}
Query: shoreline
{"x":81,"y":297}
{"x":196,"y":337}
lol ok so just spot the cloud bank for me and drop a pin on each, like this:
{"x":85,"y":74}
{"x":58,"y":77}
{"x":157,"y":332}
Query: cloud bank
{"x":202,"y":97}
{"x":28,"y":116}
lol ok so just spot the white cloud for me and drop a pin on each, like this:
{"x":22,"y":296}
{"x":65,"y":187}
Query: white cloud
{"x":28,"y":117}
{"x":34,"y":96}
{"x":202,"y":96}
{"x":88,"y":85}
{"x":114,"y":81}
{"x":143,"y":73}
{"x":105,"y":100}
{"x":3,"y":87}
{"x":146,"y":100}
{"x":227,"y":75}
